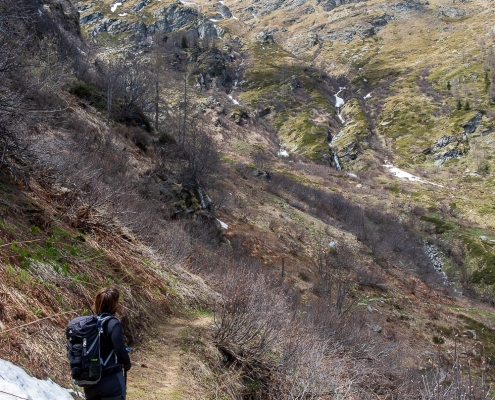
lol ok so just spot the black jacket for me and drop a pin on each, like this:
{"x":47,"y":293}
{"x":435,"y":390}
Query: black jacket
{"x":113,"y":339}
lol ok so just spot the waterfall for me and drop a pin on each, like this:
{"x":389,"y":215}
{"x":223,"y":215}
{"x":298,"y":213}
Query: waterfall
{"x":336,"y":160}
{"x":339,"y":102}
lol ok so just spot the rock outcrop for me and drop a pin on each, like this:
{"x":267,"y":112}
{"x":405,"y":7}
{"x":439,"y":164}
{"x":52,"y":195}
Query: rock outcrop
{"x":471,"y":126}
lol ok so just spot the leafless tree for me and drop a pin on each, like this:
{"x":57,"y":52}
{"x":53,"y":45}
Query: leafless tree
{"x":202,"y":159}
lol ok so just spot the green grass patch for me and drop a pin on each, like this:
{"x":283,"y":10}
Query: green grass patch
{"x":441,"y":225}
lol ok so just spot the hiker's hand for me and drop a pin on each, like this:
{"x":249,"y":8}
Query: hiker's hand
{"x":127,"y":367}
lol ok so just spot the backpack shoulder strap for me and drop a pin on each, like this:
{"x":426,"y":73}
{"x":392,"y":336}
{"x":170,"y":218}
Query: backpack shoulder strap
{"x":104,"y":317}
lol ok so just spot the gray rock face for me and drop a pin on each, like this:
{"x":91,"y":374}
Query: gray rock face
{"x":168,"y":19}
{"x":209,"y":29}
{"x":91,"y":18}
{"x":172,"y":18}
{"x":443,"y":141}
{"x":313,"y":39}
{"x":266,"y":36}
{"x":374,"y":25}
{"x":140,"y":5}
{"x":225,"y":11}
{"x":408,"y":5}
{"x":452,"y":12}
{"x":329,"y":5}
{"x":472,"y":124}
{"x":447,"y":155}
{"x":106,"y":25}
{"x":370,"y":28}
{"x":271,"y":5}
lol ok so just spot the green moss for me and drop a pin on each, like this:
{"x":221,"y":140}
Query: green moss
{"x":300,"y":132}
{"x":441,"y":225}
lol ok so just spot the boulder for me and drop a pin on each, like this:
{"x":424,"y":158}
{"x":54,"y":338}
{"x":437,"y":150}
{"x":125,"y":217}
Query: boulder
{"x":210,"y":102}
{"x":313,"y":39}
{"x":225,"y":11}
{"x":266,"y":36}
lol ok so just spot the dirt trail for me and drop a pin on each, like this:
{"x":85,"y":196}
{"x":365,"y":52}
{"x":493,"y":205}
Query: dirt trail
{"x":156,"y":364}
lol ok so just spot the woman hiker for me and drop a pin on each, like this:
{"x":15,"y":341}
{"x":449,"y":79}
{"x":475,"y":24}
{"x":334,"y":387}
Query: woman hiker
{"x":112,"y":385}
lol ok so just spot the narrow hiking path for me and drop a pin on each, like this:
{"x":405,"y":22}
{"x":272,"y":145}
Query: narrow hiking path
{"x":156,"y":372}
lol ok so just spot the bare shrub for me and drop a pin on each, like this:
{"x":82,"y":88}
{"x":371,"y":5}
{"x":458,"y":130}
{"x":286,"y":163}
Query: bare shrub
{"x":455,"y":380}
{"x":260,"y":334}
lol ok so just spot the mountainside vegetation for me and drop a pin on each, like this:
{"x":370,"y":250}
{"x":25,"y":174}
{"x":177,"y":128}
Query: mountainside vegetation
{"x":232,"y":168}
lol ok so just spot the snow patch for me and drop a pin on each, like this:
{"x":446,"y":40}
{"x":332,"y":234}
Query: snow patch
{"x":15,"y":383}
{"x":223,"y":224}
{"x":114,"y":6}
{"x":188,"y":3}
{"x":283,"y":153}
{"x":406,"y":175}
{"x":233,"y":100}
{"x":368,"y":96}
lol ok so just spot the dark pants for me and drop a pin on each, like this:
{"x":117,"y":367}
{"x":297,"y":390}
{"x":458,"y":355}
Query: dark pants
{"x":111,"y":387}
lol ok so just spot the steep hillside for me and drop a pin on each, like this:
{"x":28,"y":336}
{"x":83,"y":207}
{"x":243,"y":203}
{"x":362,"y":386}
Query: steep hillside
{"x":238,"y":162}
{"x":351,"y":85}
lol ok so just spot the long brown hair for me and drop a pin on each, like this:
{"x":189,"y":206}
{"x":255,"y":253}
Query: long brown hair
{"x":106,"y":300}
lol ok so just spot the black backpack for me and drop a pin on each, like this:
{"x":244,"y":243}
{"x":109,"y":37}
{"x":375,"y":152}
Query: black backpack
{"x":83,"y":348}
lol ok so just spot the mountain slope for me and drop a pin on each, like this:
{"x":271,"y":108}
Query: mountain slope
{"x":188,"y":156}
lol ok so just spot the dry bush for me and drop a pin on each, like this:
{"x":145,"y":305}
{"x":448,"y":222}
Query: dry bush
{"x":292,"y":354}
{"x":451,"y":377}
{"x":259,"y":333}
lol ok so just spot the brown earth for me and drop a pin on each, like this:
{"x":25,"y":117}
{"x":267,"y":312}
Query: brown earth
{"x":157,"y":371}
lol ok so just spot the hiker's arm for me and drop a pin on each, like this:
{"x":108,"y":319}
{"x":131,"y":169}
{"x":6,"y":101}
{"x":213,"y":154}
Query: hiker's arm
{"x":119,"y":346}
